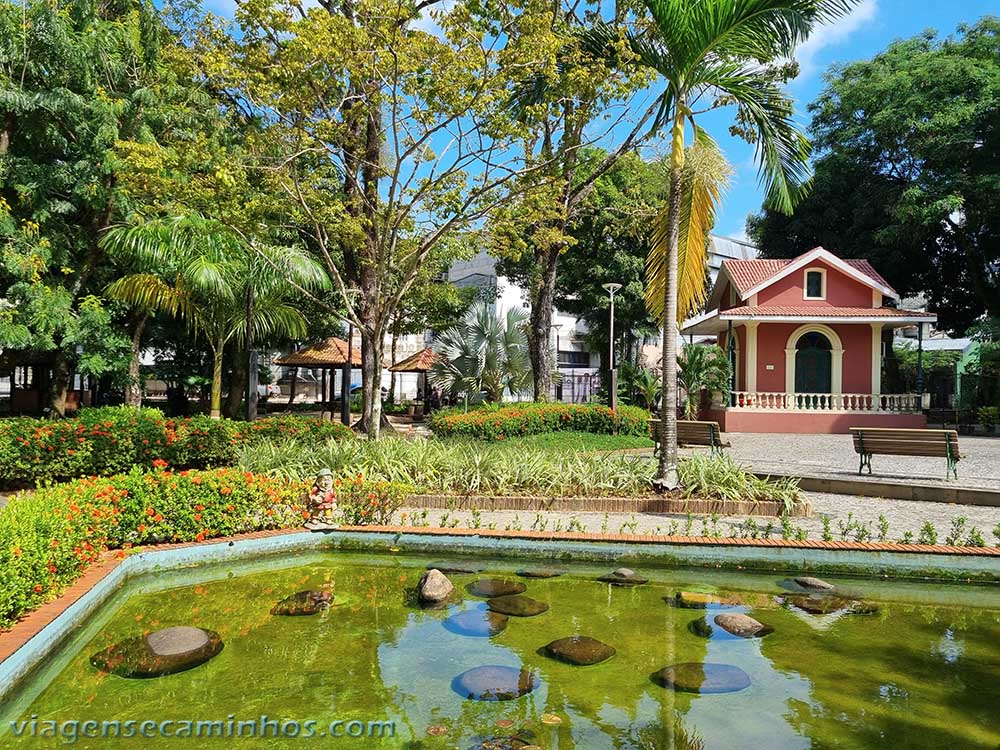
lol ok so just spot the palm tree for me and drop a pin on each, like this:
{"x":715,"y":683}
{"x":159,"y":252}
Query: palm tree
{"x":648,"y":387}
{"x":725,"y":52}
{"x":702,"y":368}
{"x":484,"y":353}
{"x":198,"y":269}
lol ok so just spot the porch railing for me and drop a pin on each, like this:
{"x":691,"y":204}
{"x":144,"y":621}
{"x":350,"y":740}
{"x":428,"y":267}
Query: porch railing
{"x":900,"y":403}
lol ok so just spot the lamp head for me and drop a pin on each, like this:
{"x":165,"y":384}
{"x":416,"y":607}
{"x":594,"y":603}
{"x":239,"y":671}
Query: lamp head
{"x":611,"y":287}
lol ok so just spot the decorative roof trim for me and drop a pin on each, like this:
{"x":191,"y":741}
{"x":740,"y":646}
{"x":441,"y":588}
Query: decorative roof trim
{"x":821,"y":253}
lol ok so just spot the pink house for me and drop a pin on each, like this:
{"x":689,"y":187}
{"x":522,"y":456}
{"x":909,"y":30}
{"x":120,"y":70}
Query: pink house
{"x":805,"y":339}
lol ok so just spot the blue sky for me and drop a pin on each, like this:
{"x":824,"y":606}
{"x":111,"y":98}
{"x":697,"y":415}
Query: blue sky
{"x":870,"y":28}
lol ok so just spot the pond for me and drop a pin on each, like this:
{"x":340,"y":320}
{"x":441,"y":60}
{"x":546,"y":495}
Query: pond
{"x":873,"y":665}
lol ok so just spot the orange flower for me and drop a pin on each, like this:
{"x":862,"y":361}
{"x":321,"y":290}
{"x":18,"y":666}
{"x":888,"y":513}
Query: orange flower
{"x":142,"y":528}
{"x":16,"y":551}
{"x":199,"y":507}
{"x":226,"y":490}
{"x":158,"y":517}
{"x":197,"y":516}
{"x":150,"y":512}
{"x":230,"y":507}
{"x":38,"y":588}
{"x":159,"y":463}
{"x":196,"y":480}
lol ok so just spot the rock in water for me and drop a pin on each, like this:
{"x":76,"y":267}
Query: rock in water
{"x":495,"y":683}
{"x":698,"y":600}
{"x":581,"y":650}
{"x":742,"y":625}
{"x":477,"y":623}
{"x":517,"y":605}
{"x":159,"y":653}
{"x":490,"y":587}
{"x":434,"y":587}
{"x":455,"y":567}
{"x":702,"y":628}
{"x":540,"y":572}
{"x":303,"y":603}
{"x":623,"y":577}
{"x":816,"y":584}
{"x":694,"y":677}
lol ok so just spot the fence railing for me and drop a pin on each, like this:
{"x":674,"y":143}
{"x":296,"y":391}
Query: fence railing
{"x":858,"y":402}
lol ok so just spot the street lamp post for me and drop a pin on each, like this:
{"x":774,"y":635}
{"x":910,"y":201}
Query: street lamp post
{"x":611,"y":288}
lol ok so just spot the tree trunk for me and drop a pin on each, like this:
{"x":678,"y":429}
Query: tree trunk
{"x":215,"y":404}
{"x":543,"y":290}
{"x":237,"y":385}
{"x":292,"y":388}
{"x":667,"y":476}
{"x":371,"y":385}
{"x":133,"y":389}
{"x":251,"y":359}
{"x":392,"y":375}
{"x":59,"y":384}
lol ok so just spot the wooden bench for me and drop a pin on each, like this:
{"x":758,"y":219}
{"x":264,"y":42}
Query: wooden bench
{"x":690,"y":432}
{"x":888,"y":441}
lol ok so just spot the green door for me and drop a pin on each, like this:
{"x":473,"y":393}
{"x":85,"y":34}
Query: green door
{"x":813,"y":364}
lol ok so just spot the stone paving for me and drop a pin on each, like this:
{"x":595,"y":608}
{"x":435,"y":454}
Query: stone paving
{"x":833,"y":455}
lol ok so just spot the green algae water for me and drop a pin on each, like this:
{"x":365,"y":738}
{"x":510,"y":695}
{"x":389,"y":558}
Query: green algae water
{"x":918,"y":666}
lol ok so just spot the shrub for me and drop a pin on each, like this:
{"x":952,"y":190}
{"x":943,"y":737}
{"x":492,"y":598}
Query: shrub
{"x":110,"y":440}
{"x":48,"y":537}
{"x":516,"y":420}
{"x":364,"y":503}
{"x":721,"y":478}
{"x":989,"y":416}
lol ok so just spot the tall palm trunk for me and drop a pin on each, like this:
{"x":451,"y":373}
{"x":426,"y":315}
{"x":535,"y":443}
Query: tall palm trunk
{"x":133,"y":390}
{"x":215,"y":405}
{"x":666,"y":475}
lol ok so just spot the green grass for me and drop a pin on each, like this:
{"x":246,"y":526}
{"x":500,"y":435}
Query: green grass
{"x":581,"y":441}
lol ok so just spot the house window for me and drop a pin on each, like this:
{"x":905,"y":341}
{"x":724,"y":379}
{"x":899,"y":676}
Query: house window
{"x":815,"y":285}
{"x":574,"y":359}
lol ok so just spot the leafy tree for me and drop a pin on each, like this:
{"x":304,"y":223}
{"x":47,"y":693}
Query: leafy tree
{"x":731,"y":51}
{"x":575,"y":98}
{"x":75,"y":78}
{"x":702,"y":368}
{"x":200,"y":270}
{"x":385,"y":138}
{"x":909,"y":171}
{"x":483,"y":354}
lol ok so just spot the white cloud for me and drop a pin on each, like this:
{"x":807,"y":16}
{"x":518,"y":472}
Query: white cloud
{"x":832,"y":34}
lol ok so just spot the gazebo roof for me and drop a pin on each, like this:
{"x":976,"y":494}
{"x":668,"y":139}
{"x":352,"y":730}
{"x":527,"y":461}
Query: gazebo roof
{"x":331,"y":352}
{"x":422,"y":361}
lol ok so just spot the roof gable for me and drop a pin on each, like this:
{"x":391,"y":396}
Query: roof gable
{"x":751,"y":276}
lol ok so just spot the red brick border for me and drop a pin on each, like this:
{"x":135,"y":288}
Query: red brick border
{"x":33,"y":622}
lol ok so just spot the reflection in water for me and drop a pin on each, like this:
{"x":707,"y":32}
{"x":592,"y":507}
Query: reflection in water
{"x":910,"y":675}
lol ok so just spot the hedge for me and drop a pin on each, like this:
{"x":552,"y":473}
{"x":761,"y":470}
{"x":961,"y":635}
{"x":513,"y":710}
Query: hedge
{"x":48,"y":537}
{"x":110,"y":440}
{"x":516,"y":420}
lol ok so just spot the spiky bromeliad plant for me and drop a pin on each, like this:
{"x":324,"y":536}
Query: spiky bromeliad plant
{"x":710,"y":54}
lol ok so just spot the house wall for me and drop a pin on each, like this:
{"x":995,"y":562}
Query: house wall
{"x":841,"y":290}
{"x":855,"y":338}
{"x":810,"y":422}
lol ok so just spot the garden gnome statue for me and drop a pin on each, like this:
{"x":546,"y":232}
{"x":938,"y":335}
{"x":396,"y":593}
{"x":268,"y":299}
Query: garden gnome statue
{"x":322,"y":499}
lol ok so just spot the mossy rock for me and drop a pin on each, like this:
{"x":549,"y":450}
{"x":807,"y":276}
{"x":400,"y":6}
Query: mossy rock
{"x":540,"y":572}
{"x":580,"y":650}
{"x":159,"y":653}
{"x":491,"y":587}
{"x":303,"y":603}
{"x":517,"y":605}
{"x":699,"y":600}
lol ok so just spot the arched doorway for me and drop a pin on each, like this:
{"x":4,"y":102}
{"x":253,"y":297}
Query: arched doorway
{"x":813,"y":363}
{"x":827,"y":341}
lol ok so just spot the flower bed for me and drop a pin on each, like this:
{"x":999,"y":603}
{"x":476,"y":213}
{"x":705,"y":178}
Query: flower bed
{"x":48,"y":537}
{"x":516,"y":420}
{"x":109,"y":440}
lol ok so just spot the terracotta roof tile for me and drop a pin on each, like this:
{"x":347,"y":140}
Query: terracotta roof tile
{"x":746,"y":274}
{"x":325,"y":353}
{"x":422,"y":361}
{"x":819,"y":311}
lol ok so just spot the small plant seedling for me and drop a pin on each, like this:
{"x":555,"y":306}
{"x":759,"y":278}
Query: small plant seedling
{"x":907,"y":538}
{"x":827,"y":534}
{"x":954,"y":537}
{"x":928,"y":534}
{"x":883,"y":528}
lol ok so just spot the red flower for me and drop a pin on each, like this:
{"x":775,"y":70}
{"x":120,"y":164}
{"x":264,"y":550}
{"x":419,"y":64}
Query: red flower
{"x":38,"y":588}
{"x":159,"y":463}
{"x":142,"y":528}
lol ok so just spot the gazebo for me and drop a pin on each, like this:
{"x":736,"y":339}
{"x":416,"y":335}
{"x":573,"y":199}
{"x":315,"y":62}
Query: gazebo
{"x":420,"y":363}
{"x":328,"y":354}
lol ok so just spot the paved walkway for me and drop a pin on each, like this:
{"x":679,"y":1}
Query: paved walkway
{"x":833,"y":455}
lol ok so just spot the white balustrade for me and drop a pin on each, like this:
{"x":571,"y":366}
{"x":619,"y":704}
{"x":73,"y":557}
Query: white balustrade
{"x":900,"y":403}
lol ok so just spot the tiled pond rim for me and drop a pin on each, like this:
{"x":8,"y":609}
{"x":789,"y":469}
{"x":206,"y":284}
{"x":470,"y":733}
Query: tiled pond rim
{"x":29,"y":644}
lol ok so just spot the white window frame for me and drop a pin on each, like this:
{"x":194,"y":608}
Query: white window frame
{"x":805,"y":283}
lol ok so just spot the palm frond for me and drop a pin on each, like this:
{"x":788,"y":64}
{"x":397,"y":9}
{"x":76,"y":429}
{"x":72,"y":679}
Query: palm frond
{"x":705,"y":178}
{"x":150,"y":292}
